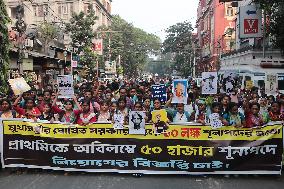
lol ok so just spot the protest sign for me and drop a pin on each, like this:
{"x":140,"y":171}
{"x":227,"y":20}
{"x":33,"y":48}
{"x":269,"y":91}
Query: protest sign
{"x":182,"y":149}
{"x":65,"y":86}
{"x":180,"y":91}
{"x":137,"y":122}
{"x":160,"y":120}
{"x":270,"y":84}
{"x":19,"y":85}
{"x":229,"y":82}
{"x":209,"y":82}
{"x":118,"y":121}
{"x":159,"y":91}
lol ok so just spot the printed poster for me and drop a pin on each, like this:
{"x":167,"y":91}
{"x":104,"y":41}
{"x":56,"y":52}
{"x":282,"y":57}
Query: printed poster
{"x":118,"y":121}
{"x":180,"y":91}
{"x":249,"y":84}
{"x":19,"y":85}
{"x":160,"y":120}
{"x":209,"y":82}
{"x":229,"y":82}
{"x":270,"y":84}
{"x":65,"y":86}
{"x":159,"y":91}
{"x":137,"y":123}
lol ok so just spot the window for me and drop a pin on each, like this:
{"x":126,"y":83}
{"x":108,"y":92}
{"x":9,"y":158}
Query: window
{"x":108,"y":7}
{"x":64,"y":8}
{"x":71,"y":8}
{"x":13,"y":12}
{"x":59,"y":9}
{"x":230,"y":11}
{"x":34,"y":9}
{"x":40,"y":11}
{"x":86,"y":8}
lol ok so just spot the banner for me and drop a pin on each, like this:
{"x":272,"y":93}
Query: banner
{"x":159,"y":91}
{"x":180,"y":91}
{"x":97,"y":46}
{"x":65,"y":86}
{"x":19,"y":85}
{"x":182,"y":149}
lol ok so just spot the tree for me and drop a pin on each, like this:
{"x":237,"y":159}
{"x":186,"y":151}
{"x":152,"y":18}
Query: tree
{"x":275,"y":12}
{"x":48,"y":32}
{"x":82,"y":34}
{"x":132,"y":44}
{"x":4,"y":47}
{"x":179,"y":43}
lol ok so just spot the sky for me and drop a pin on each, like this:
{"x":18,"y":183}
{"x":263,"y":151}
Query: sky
{"x":154,"y":16}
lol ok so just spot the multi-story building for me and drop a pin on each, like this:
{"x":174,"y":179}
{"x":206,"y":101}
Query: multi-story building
{"x":59,"y":11}
{"x":216,"y":33}
{"x":250,"y":60}
{"x":51,"y":58}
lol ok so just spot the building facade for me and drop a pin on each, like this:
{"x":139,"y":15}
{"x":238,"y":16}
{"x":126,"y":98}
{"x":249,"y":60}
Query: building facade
{"x":215,"y":33}
{"x":250,"y":60}
{"x":48,"y":60}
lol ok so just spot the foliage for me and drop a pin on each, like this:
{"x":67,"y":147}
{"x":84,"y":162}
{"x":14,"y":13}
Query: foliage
{"x":82,"y":33}
{"x":132,"y":44}
{"x":48,"y":31}
{"x":4,"y":47}
{"x":275,"y":12}
{"x":179,"y":43}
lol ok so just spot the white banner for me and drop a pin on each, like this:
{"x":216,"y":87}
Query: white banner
{"x":65,"y":86}
{"x":209,"y":82}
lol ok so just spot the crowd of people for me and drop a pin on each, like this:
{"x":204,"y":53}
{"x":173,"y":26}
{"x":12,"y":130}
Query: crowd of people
{"x":98,"y":102}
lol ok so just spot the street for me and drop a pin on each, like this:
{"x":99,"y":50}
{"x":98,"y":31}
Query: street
{"x":29,"y":179}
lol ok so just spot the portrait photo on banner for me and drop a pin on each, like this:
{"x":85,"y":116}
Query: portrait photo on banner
{"x":209,"y":82}
{"x":65,"y":86}
{"x":137,"y":123}
{"x":180,"y":91}
{"x":118,"y":121}
{"x":19,"y":85}
{"x":160,"y":120}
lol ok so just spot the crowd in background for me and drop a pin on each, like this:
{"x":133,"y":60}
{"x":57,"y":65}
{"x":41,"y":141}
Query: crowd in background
{"x":98,"y":101}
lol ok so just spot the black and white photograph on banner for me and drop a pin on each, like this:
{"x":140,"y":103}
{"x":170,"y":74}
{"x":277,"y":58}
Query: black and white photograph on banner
{"x":137,"y":123}
{"x":209,"y":82}
{"x":65,"y":86}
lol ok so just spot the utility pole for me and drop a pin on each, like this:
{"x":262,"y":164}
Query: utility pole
{"x":21,"y":27}
{"x":264,"y":33}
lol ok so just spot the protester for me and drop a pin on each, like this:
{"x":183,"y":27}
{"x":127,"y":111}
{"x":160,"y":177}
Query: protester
{"x":180,"y":115}
{"x":68,"y":114}
{"x":104,"y":114}
{"x":48,"y":114}
{"x":6,"y":110}
{"x":29,"y":111}
{"x":234,"y":117}
{"x":254,"y":118}
{"x":274,"y":113}
{"x":86,"y":116}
